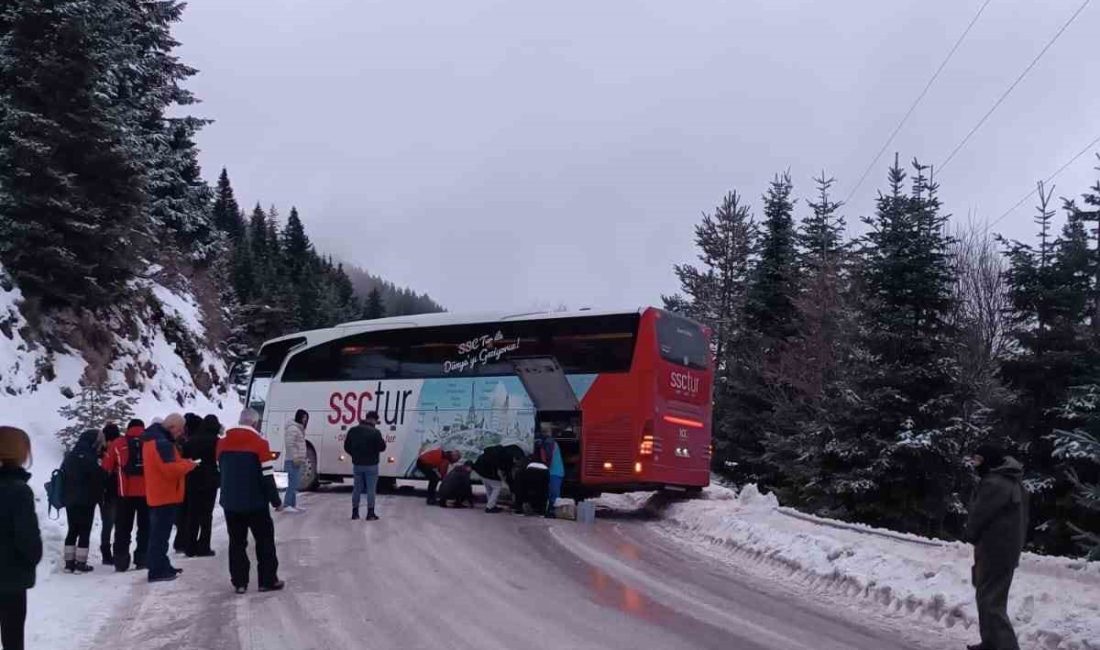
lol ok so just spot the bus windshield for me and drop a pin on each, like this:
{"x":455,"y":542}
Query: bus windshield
{"x":682,"y":342}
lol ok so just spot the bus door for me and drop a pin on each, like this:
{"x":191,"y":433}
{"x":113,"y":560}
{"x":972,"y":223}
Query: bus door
{"x":557,"y":409}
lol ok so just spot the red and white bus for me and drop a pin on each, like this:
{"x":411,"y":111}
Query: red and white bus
{"x":640,"y":418}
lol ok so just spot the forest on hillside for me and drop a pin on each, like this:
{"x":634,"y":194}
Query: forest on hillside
{"x":101,"y":191}
{"x":855,"y":374}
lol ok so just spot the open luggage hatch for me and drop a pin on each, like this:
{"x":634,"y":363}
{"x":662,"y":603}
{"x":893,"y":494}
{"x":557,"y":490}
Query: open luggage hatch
{"x":557,"y":409}
{"x":556,"y":405}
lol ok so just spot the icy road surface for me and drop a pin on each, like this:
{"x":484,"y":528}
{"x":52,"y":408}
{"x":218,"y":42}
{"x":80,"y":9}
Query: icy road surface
{"x":425,"y":577}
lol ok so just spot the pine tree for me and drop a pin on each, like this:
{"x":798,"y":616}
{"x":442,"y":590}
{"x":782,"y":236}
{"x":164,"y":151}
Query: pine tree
{"x":98,"y":403}
{"x":375,"y":308}
{"x":770,"y":309}
{"x":71,"y":175}
{"x":226,"y":211}
{"x":716,"y":295}
{"x":1079,"y":446}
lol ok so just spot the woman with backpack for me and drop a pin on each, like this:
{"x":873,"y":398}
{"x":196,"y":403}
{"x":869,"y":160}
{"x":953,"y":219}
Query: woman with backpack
{"x":82,"y":478}
{"x":111,"y":432}
{"x":20,"y":539}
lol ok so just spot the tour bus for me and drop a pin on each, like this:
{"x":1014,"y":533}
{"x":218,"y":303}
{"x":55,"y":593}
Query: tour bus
{"x":626,"y":394}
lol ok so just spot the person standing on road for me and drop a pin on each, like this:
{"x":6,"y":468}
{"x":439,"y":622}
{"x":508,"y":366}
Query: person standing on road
{"x":110,"y":498}
{"x":296,"y":456}
{"x":248,"y":493}
{"x":83,"y":481}
{"x":364,"y":443}
{"x":191,"y":424}
{"x":165,"y":475}
{"x":997,"y":527}
{"x":124,"y":461}
{"x":434,"y":464}
{"x":201,"y":491}
{"x":548,"y":452}
{"x":20,"y":538}
{"x":492,"y":466}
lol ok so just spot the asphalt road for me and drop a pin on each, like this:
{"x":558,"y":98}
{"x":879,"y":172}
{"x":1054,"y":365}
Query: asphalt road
{"x":425,"y":577}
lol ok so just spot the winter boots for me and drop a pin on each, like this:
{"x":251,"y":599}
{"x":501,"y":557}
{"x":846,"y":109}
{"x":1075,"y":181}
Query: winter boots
{"x":70,"y":559}
{"x":371,"y":516}
{"x":82,"y":565}
{"x":355,"y":513}
{"x":76,"y":560}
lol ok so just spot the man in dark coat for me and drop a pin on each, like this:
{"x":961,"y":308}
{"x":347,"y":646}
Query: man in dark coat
{"x":364,"y":443}
{"x":997,"y":527}
{"x":456,"y":486}
{"x":201,"y":490}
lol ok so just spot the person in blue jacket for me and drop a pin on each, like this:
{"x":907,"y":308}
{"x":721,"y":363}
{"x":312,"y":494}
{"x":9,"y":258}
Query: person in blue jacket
{"x":548,"y":452}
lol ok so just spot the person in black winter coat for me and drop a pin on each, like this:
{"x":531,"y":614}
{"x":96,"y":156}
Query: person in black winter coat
{"x":456,"y":486}
{"x":107,"y":504}
{"x":201,"y":490}
{"x":191,"y":425}
{"x":83,"y":481}
{"x":997,"y":527}
{"x":20,"y":539}
{"x":364,"y":443}
{"x":532,"y":480}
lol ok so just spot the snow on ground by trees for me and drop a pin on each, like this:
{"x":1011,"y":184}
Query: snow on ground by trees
{"x":1055,"y":601}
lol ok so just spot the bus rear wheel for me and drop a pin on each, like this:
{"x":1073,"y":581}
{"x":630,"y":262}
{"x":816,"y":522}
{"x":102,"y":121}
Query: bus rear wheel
{"x":309,"y":478}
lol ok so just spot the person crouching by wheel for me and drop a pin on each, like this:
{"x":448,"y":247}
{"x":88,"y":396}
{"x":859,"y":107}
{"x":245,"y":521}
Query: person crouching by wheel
{"x":434,"y":464}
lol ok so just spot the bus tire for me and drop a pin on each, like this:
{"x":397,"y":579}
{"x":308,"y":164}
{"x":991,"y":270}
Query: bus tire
{"x":387,"y":484}
{"x":310,"y":479}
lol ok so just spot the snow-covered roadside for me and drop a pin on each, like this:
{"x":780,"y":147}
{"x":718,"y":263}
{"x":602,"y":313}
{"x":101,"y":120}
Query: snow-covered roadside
{"x":1055,"y":602}
{"x":67,"y":611}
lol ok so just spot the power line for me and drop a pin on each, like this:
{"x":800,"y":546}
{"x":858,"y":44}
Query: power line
{"x":1049,"y":179}
{"x":1015,"y":83}
{"x":917,"y":101}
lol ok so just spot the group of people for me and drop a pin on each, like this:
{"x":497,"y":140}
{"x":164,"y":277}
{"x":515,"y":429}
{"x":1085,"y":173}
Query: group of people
{"x":164,"y":476}
{"x":534,"y":479}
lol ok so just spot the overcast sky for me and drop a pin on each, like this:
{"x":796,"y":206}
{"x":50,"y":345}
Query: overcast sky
{"x":505,"y":154}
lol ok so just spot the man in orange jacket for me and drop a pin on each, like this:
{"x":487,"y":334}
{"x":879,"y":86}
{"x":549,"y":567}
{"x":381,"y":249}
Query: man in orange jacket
{"x":165,"y":472}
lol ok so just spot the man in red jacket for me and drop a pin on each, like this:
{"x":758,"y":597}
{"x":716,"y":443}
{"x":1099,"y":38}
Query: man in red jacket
{"x":123,"y":461}
{"x":434,"y":464}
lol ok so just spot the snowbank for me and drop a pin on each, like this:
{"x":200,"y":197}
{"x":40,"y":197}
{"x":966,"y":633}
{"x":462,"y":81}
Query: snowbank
{"x":30,"y":400}
{"x":1055,"y":602}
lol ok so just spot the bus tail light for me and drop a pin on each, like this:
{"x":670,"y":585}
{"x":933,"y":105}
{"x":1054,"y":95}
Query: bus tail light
{"x":646,"y":448}
{"x":275,"y":455}
{"x":684,"y":422}
{"x":638,"y":468}
{"x":608,"y":466}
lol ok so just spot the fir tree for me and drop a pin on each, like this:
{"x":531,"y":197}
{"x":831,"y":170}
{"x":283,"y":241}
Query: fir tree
{"x":71,"y":181}
{"x":1079,"y":446}
{"x":226,"y":211}
{"x":770,"y":310}
{"x":716,"y":295}
{"x":375,"y":308}
{"x":98,"y":403}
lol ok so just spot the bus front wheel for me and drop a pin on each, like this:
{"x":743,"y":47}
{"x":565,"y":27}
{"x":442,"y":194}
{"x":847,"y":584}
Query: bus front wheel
{"x":310,"y":479}
{"x":387,"y":484}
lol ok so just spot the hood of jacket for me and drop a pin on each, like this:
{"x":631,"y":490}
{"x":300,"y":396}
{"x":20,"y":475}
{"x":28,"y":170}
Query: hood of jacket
{"x":159,"y":435}
{"x":134,"y":432}
{"x":1010,"y":468}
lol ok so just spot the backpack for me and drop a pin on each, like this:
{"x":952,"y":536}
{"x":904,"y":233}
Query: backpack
{"x":134,"y":466}
{"x":55,"y":493}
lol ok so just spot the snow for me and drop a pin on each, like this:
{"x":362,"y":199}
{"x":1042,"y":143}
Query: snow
{"x":1054,"y":603}
{"x":31,"y":403}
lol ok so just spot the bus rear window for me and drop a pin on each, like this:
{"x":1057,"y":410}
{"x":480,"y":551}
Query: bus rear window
{"x":682,"y":342}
